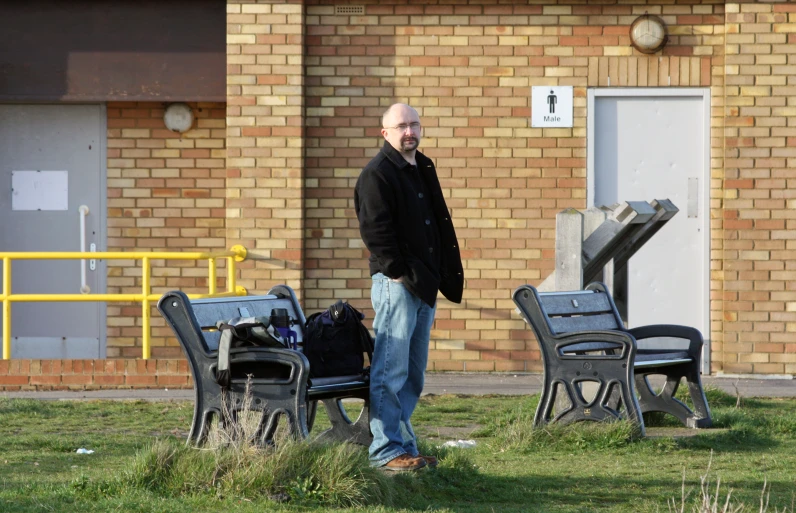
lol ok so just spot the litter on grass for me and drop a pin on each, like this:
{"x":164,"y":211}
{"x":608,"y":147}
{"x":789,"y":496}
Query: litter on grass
{"x":84,"y":451}
{"x":463,"y":444}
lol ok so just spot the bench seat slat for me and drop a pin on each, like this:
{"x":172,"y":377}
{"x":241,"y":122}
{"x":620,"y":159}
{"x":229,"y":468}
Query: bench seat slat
{"x":339,"y":391}
{"x":652,"y":358}
{"x":660,"y":363}
{"x":583,"y":323}
{"x":338,"y":386}
{"x":336,"y":380}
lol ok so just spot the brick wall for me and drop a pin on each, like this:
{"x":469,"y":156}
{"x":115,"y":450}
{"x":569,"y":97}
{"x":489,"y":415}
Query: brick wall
{"x":166,"y":192}
{"x":468,"y":69}
{"x":16,"y":375}
{"x":759,"y":259}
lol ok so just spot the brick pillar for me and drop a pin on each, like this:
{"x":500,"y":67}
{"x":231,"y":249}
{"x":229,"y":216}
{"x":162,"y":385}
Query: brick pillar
{"x":265,"y":144}
{"x":760,"y":300}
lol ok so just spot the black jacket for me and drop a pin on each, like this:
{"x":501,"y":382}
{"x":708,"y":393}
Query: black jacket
{"x":393,"y":228}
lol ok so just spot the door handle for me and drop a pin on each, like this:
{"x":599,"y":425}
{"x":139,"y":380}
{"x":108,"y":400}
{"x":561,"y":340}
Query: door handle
{"x":83,"y":210}
{"x":693,"y":197}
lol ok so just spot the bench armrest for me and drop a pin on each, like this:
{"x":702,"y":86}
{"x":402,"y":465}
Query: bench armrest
{"x":693,"y":335}
{"x":580,"y":341}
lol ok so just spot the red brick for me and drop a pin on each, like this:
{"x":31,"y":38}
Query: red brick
{"x":181,"y":381}
{"x":45,"y":380}
{"x":14,"y":380}
{"x":141,"y":381}
{"x":77,"y":379}
{"x":106,"y":380}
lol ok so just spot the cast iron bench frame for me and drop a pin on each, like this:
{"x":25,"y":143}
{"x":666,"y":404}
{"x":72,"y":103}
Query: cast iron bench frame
{"x":279,"y":377}
{"x":582,"y":338}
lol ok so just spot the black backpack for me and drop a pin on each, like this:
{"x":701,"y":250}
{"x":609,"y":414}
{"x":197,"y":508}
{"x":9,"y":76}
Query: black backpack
{"x":335,"y":341}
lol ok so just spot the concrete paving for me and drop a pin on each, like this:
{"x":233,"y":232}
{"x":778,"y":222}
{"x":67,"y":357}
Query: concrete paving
{"x":438,"y":383}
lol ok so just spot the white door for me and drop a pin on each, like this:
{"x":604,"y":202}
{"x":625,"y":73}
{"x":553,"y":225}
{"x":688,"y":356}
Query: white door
{"x":647,"y":144}
{"x":52,"y":161}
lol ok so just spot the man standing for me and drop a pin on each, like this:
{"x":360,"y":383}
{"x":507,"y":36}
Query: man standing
{"x":405,"y":223}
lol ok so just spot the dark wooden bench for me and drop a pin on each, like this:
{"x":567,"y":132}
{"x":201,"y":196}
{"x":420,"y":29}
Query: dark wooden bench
{"x":584,"y":343}
{"x":280,"y":385}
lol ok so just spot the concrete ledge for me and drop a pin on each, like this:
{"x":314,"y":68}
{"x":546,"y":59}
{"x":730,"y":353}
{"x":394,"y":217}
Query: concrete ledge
{"x":439,"y":383}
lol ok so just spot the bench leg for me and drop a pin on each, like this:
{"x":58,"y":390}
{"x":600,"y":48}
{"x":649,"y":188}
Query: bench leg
{"x":701,"y":417}
{"x":546,"y":401}
{"x":268,"y":423}
{"x":603,"y":407}
{"x":343,"y":429}
{"x":200,"y":427}
{"x":312,"y":409}
{"x":208,"y":403}
{"x":296,"y":418}
{"x":666,"y":402}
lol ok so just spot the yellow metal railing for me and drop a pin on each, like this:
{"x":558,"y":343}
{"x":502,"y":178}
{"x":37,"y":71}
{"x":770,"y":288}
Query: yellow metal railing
{"x":235,"y":254}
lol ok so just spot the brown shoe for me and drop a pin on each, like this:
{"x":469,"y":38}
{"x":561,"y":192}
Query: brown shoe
{"x":431,"y":461}
{"x":404,"y":462}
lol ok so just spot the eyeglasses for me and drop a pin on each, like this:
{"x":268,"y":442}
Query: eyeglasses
{"x":403,"y":126}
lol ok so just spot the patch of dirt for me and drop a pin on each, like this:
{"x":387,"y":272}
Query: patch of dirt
{"x":680,"y":432}
{"x":447,"y":433}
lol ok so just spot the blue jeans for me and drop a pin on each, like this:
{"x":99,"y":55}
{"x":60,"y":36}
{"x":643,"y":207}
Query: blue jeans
{"x":403,"y":327}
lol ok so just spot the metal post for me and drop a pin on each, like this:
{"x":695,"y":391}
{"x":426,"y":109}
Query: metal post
{"x":211,"y":276}
{"x":147,"y":350}
{"x":231,"y":274}
{"x":6,"y":308}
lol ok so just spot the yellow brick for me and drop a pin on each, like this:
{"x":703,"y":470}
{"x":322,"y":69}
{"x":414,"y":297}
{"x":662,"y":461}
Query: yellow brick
{"x":513,"y":41}
{"x":465,"y":355}
{"x":241,"y":39}
{"x":556,"y":10}
{"x":617,"y":50}
{"x":454,"y":41}
{"x":449,"y":345}
{"x":559,"y":71}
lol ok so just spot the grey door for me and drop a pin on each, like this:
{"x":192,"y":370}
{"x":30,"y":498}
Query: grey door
{"x":653,"y":144}
{"x":52,"y":162}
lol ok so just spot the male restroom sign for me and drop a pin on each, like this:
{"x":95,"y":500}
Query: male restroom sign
{"x":551,"y":106}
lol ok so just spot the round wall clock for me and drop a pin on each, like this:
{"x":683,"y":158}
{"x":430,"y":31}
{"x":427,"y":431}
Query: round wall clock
{"x":648,"y":33}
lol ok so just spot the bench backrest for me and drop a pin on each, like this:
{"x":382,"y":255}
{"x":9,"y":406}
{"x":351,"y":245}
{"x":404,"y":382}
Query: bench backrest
{"x":556,"y":313}
{"x":194,"y":321}
{"x":210,"y":312}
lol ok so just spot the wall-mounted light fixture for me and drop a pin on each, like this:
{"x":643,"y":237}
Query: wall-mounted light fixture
{"x":648,"y":33}
{"x":178,"y":117}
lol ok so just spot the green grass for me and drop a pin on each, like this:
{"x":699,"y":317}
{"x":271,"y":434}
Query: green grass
{"x":141,"y":463}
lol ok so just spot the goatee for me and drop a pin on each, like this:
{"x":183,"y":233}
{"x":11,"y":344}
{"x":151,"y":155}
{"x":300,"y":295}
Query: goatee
{"x":408,"y":144}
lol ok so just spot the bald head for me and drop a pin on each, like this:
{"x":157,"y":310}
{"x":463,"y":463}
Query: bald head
{"x":401,"y":128}
{"x":397,"y":109}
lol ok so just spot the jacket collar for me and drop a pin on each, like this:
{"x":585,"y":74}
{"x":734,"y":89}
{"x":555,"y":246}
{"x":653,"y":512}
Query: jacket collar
{"x":396,"y":158}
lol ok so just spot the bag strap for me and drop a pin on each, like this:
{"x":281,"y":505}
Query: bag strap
{"x":224,"y":345}
{"x":365,"y":340}
{"x":250,"y":329}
